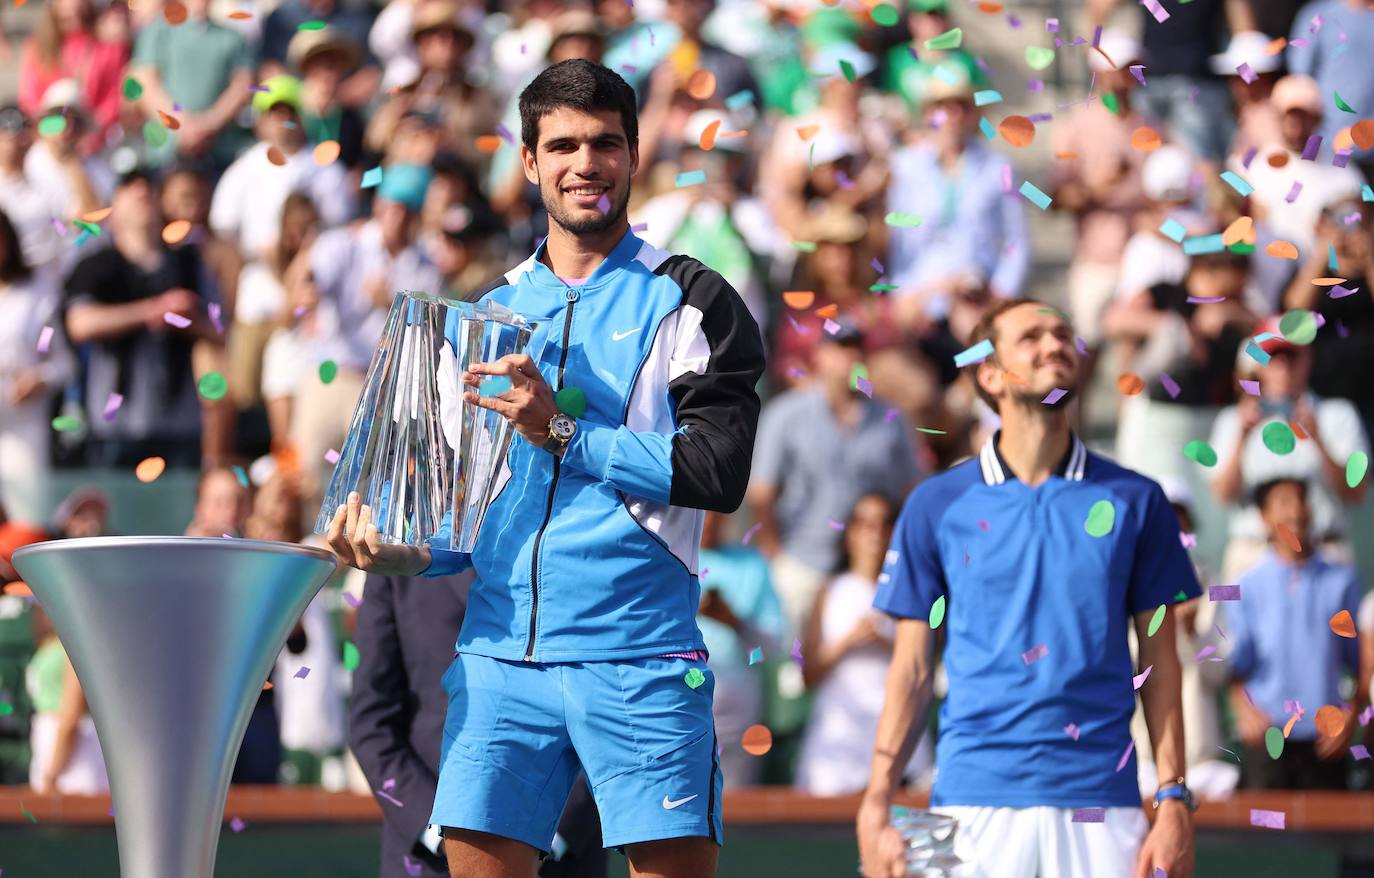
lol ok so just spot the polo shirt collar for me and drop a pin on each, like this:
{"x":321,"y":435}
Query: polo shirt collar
{"x":995,"y":469}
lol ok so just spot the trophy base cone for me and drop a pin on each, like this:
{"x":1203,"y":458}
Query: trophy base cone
{"x":172,"y":638}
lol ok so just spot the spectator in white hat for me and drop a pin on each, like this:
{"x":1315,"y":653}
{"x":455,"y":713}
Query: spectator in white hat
{"x":54,"y":163}
{"x":1252,"y":69}
{"x":1171,"y":181}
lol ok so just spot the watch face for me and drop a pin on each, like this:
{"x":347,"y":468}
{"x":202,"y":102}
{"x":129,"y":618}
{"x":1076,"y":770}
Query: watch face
{"x":563,"y":427}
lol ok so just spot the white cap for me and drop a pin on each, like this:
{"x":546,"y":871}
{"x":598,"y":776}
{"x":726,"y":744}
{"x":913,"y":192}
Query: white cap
{"x":699,"y":121}
{"x":401,"y":71}
{"x":1247,"y":47}
{"x":1177,"y":490}
{"x":831,"y":145}
{"x":60,"y":95}
{"x":826,"y":62}
{"x":1122,"y":48}
{"x":1167,"y":174}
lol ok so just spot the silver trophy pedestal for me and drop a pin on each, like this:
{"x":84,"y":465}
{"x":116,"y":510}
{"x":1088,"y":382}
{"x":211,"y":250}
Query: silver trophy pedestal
{"x":172,"y":638}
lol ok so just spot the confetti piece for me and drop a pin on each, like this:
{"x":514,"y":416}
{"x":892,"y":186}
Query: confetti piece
{"x":1173,"y":230}
{"x":691,"y":178}
{"x":806,"y":132}
{"x":175,"y":232}
{"x":51,"y":126}
{"x":1223,"y":593}
{"x":975,"y":354}
{"x":1289,"y":538}
{"x":986,"y":96}
{"x":950,"y":39}
{"x":930,"y":431}
{"x":328,"y":371}
{"x":1139,"y":679}
{"x":1018,"y":131}
{"x":902,"y":220}
{"x":1206,"y":300}
{"x":413,"y":867}
{"x":986,"y":128}
{"x":1359,"y":751}
{"x":701,"y":85}
{"x":1282,"y":250}
{"x":1266,"y":819}
{"x":352,"y":600}
{"x":494,"y":385}
{"x":1341,"y":104}
{"x":1156,"y":620}
{"x":214,"y":309}
{"x":571,"y":401}
{"x":1130,"y":384}
{"x":1072,"y":731}
{"x":1342,"y":625}
{"x":237,"y":824}
{"x":66,"y":423}
{"x":1033,"y":194}
{"x":1205,"y":652}
{"x":1089,"y":815}
{"x":707,"y":141}
{"x":301,"y":674}
{"x":1355,"y":468}
{"x":1278,"y":437}
{"x":756,"y":740}
{"x":1159,"y":12}
{"x":212,"y":386}
{"x":1101,"y":519}
{"x":332,"y":456}
{"x":326,"y":152}
{"x":937,"y":612}
{"x":1246,"y":72}
{"x":739,"y":100}
{"x":112,"y":404}
{"x":1330,"y":721}
{"x":1203,"y":244}
{"x":1145,"y":139}
{"x":1126,"y":756}
{"x":27,"y":813}
{"x":174,"y":319}
{"x":239,"y":15}
{"x":694,"y":678}
{"x":1243,"y":227}
{"x":1236,"y":182}
{"x":1054,"y":396}
{"x":1309,"y":150}
{"x":241,"y":474}
{"x":133,"y":89}
{"x":1170,"y":385}
{"x":1039,"y":57}
{"x":155,"y":133}
{"x":1035,"y":653}
{"x":45,"y":339}
{"x":1250,"y":387}
{"x":313,"y":24}
{"x":372,"y":177}
{"x":350,"y":656}
{"x":1199,"y":451}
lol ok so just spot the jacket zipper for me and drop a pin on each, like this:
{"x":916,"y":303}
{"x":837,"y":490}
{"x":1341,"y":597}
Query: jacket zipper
{"x":571,"y":296}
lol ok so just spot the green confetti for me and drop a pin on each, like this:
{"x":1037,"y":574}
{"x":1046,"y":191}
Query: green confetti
{"x":6,"y":709}
{"x":884,"y":15}
{"x":571,"y":401}
{"x":882,"y":288}
{"x":212,"y":386}
{"x":1242,"y":248}
{"x":1341,"y":104}
{"x":133,"y":90}
{"x":847,"y":69}
{"x":350,"y":656}
{"x":328,"y":371}
{"x":1273,"y":742}
{"x":804,"y":246}
{"x":1101,"y":519}
{"x":937,"y":612}
{"x":694,"y":678}
{"x":902,"y":220}
{"x":931,"y":431}
{"x":1111,"y":103}
{"x":1181,"y":596}
{"x":155,"y":133}
{"x":51,"y":126}
{"x":1155,"y":621}
{"x":1039,"y":57}
{"x":1299,"y":326}
{"x":311,"y":25}
{"x":27,"y":813}
{"x":1201,"y":452}
{"x":950,"y":39}
{"x":1355,"y":468}
{"x":1278,"y":437}
{"x":66,"y":423}
{"x":90,"y":228}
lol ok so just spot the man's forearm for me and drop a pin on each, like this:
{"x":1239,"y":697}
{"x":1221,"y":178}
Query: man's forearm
{"x":905,"y":702}
{"x":92,"y":322}
{"x":1161,"y":695}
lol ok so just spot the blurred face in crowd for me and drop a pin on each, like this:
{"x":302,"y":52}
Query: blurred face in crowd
{"x":134,"y":208}
{"x":951,"y":122}
{"x":397,"y":222}
{"x":868,"y":532}
{"x":323,"y":73}
{"x":440,"y":48}
{"x":87,"y":520}
{"x":1286,"y":374}
{"x":1217,"y":277}
{"x":1350,"y":226}
{"x":582,"y":158}
{"x":617,"y":14}
{"x":71,"y":15}
{"x":64,"y":142}
{"x":834,"y":265}
{"x":1035,"y":344}
{"x":1297,"y":126}
{"x":184,"y":197}
{"x":1286,"y":504}
{"x":281,"y":127}
{"x":690,"y":15}
{"x":926,"y":25}
{"x":223,"y":503}
{"x":835,"y":362}
{"x":1247,"y":94}
{"x":583,"y":46}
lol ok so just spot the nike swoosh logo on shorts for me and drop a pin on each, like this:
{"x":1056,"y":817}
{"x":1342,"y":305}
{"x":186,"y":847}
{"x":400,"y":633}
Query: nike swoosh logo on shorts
{"x":617,"y":336}
{"x":670,"y":805}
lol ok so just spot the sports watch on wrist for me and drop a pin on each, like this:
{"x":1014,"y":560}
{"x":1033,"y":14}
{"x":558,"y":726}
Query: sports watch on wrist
{"x":1176,"y":790}
{"x":561,"y":430}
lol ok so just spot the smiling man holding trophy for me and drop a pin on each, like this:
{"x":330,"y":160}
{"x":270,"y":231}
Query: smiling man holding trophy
{"x":629,"y":374}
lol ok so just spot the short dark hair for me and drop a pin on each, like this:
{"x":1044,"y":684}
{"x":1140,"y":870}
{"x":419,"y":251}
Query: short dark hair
{"x":581,"y":85}
{"x":1264,"y":489}
{"x":986,"y":330}
{"x":13,"y":268}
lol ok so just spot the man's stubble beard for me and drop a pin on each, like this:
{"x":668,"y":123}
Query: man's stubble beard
{"x":591,"y":225}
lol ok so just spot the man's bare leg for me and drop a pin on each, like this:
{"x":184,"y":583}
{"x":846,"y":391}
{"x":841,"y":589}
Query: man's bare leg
{"x":483,"y":855}
{"x":673,"y":858}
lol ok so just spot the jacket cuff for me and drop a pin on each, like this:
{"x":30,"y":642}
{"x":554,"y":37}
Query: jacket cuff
{"x":446,"y":562}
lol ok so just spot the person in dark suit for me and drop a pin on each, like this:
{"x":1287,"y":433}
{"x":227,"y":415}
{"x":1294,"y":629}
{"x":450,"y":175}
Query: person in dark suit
{"x":405,"y":632}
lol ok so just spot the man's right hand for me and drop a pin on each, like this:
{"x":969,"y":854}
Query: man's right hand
{"x":353,"y":537}
{"x":880,"y":845}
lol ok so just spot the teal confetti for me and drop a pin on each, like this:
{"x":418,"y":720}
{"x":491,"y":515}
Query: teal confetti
{"x":1273,"y":742}
{"x":372,"y":177}
{"x":1355,"y":468}
{"x":986,"y":127}
{"x":1173,"y":230}
{"x":691,"y":178}
{"x":1367,"y":192}
{"x":1257,"y":353}
{"x":1155,"y":621}
{"x":755,"y":655}
{"x":51,"y":126}
{"x":739,"y":100}
{"x":1033,"y":194}
{"x":1201,"y":452}
{"x":1278,"y":437}
{"x":1299,"y":326}
{"x":350,"y":656}
{"x":241,"y":474}
{"x":1331,"y":262}
{"x":902,"y":220}
{"x":986,"y":96}
{"x":1237,"y":182}
{"x":937,"y":612}
{"x":1203,"y":244}
{"x":1101,"y":519}
{"x":571,"y":401}
{"x":975,"y":354}
{"x":494,"y":385}
{"x":694,"y":678}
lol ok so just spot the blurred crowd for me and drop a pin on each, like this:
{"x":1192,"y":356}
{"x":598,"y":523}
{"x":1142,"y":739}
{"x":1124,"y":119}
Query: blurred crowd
{"x":206,"y":208}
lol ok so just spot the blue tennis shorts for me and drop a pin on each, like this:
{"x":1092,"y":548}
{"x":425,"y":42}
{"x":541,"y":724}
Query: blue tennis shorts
{"x":517,"y":733}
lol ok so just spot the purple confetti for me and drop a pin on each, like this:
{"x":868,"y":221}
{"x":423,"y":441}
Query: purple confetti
{"x":383,"y":794}
{"x":1339,"y":292}
{"x":1089,"y":815}
{"x":1097,"y":36}
{"x":58,"y":226}
{"x":1341,"y":158}
{"x":44,"y":339}
{"x":302,"y":673}
{"x":830,"y":326}
{"x":1035,"y":653}
{"x":1250,"y":387}
{"x":1058,"y":42}
{"x":1206,"y":300}
{"x":299,"y":311}
{"x":877,"y":266}
{"x":1266,"y":819}
{"x":1206,"y":652}
{"x":1223,"y":593}
{"x":1314,"y":143}
{"x":413,"y":867}
{"x":112,"y":405}
{"x":505,"y":134}
{"x":1081,"y":345}
{"x":639,"y":227}
{"x":1188,"y":540}
{"x":176,"y":320}
{"x":1125,"y":757}
{"x":864,"y":385}
{"x":352,"y":601}
{"x":215,"y":310}
{"x":1037,"y":118}
{"x":796,"y":650}
{"x":983,"y":65}
{"x":1072,"y":730}
{"x":843,"y":180}
{"x":1299,"y":42}
{"x":1316,"y":25}
{"x":1359,"y":751}
{"x":795,"y":372}
{"x":749,"y":534}
{"x":835,"y":525}
{"x":1170,"y":385}
{"x":1245,"y":72}
{"x":260,"y":89}
{"x":1035,"y":85}
{"x":1054,"y":396}
{"x":1014,"y":22}
{"x":1158,"y":873}
{"x":1139,"y":679}
{"x":1292,"y":195}
{"x":1052,"y":25}
{"x":1006,"y":178}
{"x":604,"y":205}
{"x":1159,"y":12}
{"x":1292,"y":705}
{"x":1248,"y":157}
{"x":1367,"y":715}
{"x":332,"y":456}
{"x":237,"y":824}
{"x":1138,"y":71}
{"x":890,"y":415}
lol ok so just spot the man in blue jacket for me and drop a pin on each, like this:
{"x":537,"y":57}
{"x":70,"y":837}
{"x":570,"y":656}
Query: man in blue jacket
{"x":580,"y":645}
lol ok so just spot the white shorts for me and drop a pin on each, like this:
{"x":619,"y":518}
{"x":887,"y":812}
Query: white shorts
{"x":1046,"y":842}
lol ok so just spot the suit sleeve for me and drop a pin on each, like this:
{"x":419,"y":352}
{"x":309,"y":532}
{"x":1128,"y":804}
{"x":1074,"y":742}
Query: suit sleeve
{"x":378,"y":720}
{"x":717,"y":360}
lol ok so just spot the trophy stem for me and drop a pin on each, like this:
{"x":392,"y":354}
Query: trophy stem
{"x":172,"y":638}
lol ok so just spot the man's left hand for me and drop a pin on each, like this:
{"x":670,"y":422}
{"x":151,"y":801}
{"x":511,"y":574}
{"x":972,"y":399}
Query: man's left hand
{"x":1169,"y":846}
{"x":528,"y":404}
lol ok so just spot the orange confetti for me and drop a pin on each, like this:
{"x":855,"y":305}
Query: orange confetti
{"x":707,"y":141}
{"x":1344,"y":141}
{"x":1277,"y":160}
{"x":1289,"y":538}
{"x":1330,"y":721}
{"x":267,"y":685}
{"x":1130,"y":384}
{"x":489,"y":143}
{"x":174,"y":12}
{"x":1017,"y":130}
{"x":829,"y":311}
{"x":1282,"y":250}
{"x":1276,"y":46}
{"x":1288,"y":726}
{"x":276,"y":156}
{"x":1327,"y":281}
{"x":1297,"y":429}
{"x":799,"y":299}
{"x":18,"y":589}
{"x":1236,"y":231}
{"x":1145,"y":139}
{"x":240,"y":15}
{"x":1013,"y":378}
{"x":176,"y":231}
{"x":806,"y":132}
{"x":1342,"y":625}
{"x":169,"y":120}
{"x":1362,"y":132}
{"x":149,"y":468}
{"x":96,"y":216}
{"x":1066,"y":156}
{"x":701,"y":85}
{"x":990,"y":8}
{"x":757,"y":740}
{"x":326,"y":152}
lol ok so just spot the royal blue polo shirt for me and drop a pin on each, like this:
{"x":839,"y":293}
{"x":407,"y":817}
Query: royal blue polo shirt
{"x":1036,"y":613}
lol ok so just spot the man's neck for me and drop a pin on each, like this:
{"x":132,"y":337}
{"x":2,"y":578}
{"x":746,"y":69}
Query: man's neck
{"x":577,"y":256}
{"x":1033,"y":442}
{"x":137,"y":246}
